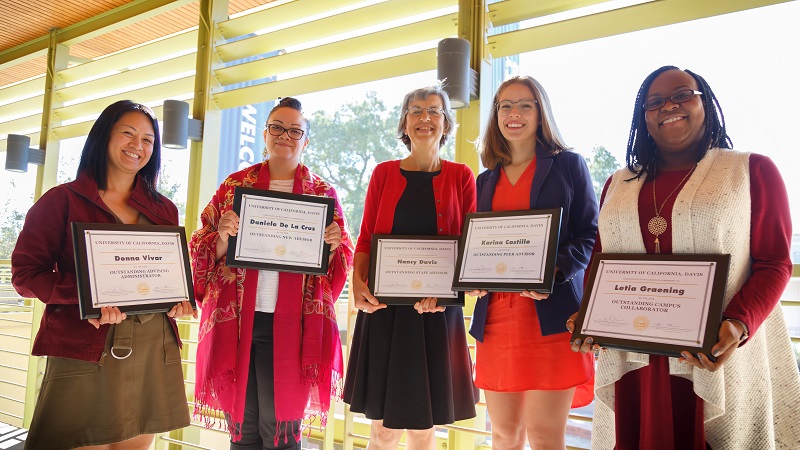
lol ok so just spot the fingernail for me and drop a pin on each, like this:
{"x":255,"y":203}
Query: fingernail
{"x":577,"y":342}
{"x":589,"y":341}
{"x":716,"y":353}
{"x":685,"y":355}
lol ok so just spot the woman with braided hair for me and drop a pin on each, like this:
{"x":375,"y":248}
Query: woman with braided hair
{"x":685,"y":190}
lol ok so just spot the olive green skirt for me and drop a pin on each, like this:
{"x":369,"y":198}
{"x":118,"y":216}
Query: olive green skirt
{"x":84,"y":403}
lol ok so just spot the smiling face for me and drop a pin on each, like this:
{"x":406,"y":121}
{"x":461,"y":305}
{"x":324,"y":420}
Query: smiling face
{"x":425,"y":131}
{"x":518,"y":126}
{"x":130,"y":144}
{"x":283,"y":148}
{"x":677,"y":129}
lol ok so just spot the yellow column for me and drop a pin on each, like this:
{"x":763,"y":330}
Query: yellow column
{"x":45,"y":179}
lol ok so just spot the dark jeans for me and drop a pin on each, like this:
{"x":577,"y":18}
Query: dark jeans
{"x":259,"y":426}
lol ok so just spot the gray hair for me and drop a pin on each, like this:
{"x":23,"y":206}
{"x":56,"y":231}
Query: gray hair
{"x":422,"y":94}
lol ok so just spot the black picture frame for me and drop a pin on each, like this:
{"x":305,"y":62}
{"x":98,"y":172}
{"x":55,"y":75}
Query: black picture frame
{"x":627,"y":340}
{"x":233,"y":260}
{"x":548,"y":257}
{"x":457,"y":300}
{"x":84,"y":273}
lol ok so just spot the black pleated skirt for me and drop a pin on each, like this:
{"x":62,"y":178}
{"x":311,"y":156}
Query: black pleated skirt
{"x":412,"y":371}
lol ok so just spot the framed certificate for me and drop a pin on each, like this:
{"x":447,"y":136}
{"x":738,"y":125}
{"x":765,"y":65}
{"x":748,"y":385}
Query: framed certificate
{"x":510,"y":251}
{"x":405,"y":269}
{"x":281,"y":232}
{"x":659,"y":304}
{"x":137,"y":268}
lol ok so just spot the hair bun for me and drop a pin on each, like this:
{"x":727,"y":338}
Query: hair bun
{"x":290,"y":102}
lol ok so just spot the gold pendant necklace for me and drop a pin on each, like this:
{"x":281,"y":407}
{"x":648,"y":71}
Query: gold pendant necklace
{"x":658,"y":224}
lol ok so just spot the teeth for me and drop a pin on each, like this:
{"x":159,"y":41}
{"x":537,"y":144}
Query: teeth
{"x":674,"y":119}
{"x":132,"y":155}
{"x":514,"y":125}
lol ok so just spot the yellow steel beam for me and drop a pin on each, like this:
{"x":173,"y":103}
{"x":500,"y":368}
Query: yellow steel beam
{"x":170,"y":67}
{"x":424,"y":31}
{"x":24,"y":89}
{"x":132,"y":57}
{"x":19,"y":125}
{"x":58,"y":133}
{"x":32,"y":105}
{"x":619,"y":21}
{"x":150,"y":94}
{"x":93,"y":26}
{"x":204,"y":155}
{"x":513,"y":11}
{"x":330,"y":26}
{"x":360,"y":73}
{"x":287,"y":12}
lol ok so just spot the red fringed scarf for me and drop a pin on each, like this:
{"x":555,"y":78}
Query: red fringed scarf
{"x":307,"y":351}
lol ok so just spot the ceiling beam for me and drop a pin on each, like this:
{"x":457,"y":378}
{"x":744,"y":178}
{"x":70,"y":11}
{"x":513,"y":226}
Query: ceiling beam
{"x":615,"y":22}
{"x":114,"y":19}
{"x":346,"y":76}
{"x":327,"y":27}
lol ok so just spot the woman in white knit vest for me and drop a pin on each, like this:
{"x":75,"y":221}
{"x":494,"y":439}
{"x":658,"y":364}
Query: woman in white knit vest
{"x":682,"y":173}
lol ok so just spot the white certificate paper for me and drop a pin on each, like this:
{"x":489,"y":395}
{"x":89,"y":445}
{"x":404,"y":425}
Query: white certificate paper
{"x":282,"y":232}
{"x":135,"y":268}
{"x":663,"y":302}
{"x":413,"y":268}
{"x":510,"y":249}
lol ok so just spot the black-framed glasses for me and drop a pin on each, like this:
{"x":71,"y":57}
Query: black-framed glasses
{"x":678,"y":97}
{"x":277,"y":130}
{"x":523,"y":106}
{"x":416,"y":111}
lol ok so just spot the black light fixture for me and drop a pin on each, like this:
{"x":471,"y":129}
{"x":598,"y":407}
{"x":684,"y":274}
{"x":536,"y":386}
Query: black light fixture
{"x":19,"y":153}
{"x":459,"y":80}
{"x":178,"y":127}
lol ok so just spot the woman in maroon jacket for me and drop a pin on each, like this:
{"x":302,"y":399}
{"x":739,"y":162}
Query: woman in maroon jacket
{"x":409,"y":370}
{"x":88,"y":398}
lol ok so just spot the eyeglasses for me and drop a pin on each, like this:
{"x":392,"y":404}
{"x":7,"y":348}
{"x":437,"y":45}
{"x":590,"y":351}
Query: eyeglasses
{"x":416,"y":111}
{"x":277,"y":130}
{"x":678,"y":97}
{"x":523,"y":106}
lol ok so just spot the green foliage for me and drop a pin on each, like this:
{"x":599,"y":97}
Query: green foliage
{"x":601,"y":165}
{"x":11,"y":225}
{"x":345,"y":146}
{"x":170,"y":190}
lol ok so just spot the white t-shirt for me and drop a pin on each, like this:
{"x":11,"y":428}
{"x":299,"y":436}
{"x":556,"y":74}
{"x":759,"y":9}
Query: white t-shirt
{"x":267,"y":288}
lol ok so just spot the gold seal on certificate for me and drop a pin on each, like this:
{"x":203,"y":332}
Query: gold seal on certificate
{"x":660,"y":304}
{"x":280,"y":231}
{"x":508,"y":251}
{"x":405,"y":269}
{"x":137,"y":268}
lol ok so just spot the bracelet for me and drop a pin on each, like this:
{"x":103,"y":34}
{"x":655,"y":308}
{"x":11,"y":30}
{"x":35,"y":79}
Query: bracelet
{"x":745,"y":334}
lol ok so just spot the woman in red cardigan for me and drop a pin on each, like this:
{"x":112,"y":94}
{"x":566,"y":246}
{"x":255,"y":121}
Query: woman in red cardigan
{"x":409,"y":368}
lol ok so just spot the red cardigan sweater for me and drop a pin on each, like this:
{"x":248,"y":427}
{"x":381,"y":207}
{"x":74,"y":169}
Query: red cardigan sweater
{"x":453,"y":189}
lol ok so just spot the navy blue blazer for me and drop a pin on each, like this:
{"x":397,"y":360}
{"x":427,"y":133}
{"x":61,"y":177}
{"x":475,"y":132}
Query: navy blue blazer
{"x":560,"y":180}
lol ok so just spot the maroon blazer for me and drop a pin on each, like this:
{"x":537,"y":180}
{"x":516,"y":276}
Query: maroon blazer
{"x":43,"y":263}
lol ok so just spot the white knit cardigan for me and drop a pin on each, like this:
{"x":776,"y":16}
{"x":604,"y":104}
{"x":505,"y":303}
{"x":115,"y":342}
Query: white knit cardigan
{"x":753,"y":401}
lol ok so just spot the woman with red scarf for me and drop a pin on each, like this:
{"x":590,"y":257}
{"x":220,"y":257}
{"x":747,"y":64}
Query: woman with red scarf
{"x":266,"y":391}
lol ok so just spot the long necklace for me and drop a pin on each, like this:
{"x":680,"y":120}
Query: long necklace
{"x":658,"y":224}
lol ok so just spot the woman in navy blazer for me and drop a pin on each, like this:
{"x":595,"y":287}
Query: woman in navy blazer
{"x":522,"y":361}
